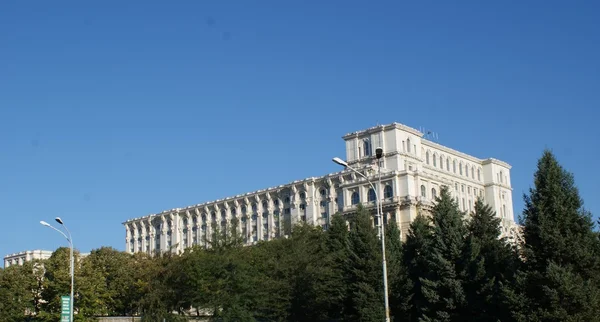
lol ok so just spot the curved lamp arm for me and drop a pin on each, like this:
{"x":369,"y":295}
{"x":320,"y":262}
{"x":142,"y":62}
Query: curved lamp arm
{"x":343,"y":163}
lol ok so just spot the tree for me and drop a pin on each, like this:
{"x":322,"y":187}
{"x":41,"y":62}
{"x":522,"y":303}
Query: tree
{"x":490,"y":264}
{"x":561,"y":249}
{"x":397,"y":274}
{"x":94,"y":298}
{"x":443,"y":289}
{"x":418,"y":243}
{"x":57,"y":283}
{"x":337,"y":252}
{"x":114,"y":269}
{"x":19,"y":290}
{"x":364,"y":265}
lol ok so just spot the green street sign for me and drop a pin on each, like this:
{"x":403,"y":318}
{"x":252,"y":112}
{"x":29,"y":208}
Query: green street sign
{"x":65,"y":311}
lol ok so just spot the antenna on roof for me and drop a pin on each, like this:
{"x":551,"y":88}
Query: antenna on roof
{"x":429,"y":134}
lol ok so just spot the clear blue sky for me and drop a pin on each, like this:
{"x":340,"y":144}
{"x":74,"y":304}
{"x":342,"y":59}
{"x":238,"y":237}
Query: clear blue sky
{"x":111,"y":110}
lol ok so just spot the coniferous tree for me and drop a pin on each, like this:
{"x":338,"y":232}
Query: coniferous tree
{"x":364,"y":269}
{"x":490,"y":265}
{"x":443,"y":289}
{"x":561,"y":249}
{"x":336,"y":244}
{"x":397,"y":276}
{"x":418,"y":243}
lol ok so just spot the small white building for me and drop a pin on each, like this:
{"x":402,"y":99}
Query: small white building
{"x":413,"y":170}
{"x":26,"y":256}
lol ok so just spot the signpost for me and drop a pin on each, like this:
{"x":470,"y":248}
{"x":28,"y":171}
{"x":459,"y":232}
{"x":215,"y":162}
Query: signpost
{"x":65,"y":311}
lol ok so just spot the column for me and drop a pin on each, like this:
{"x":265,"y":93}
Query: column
{"x":259,"y":218}
{"x":127,"y":238}
{"x":136,"y":237}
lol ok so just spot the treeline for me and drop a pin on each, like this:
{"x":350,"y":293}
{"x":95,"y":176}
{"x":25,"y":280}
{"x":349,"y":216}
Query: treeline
{"x":451,"y":266}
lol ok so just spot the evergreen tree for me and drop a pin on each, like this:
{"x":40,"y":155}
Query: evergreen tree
{"x":364,"y":269}
{"x":561,"y":249}
{"x":337,"y":251}
{"x":418,"y":242}
{"x":397,"y":275}
{"x":490,"y":265}
{"x":443,"y":289}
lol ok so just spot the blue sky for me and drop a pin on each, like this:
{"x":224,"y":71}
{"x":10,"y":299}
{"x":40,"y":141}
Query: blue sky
{"x":111,"y":110}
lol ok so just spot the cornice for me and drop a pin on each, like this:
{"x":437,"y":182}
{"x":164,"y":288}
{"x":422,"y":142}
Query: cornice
{"x":497,"y":162}
{"x":451,"y":151}
{"x":296,"y":183}
{"x":380,"y":128}
{"x":502,"y":185}
{"x":453,"y":175}
{"x":464,"y":155}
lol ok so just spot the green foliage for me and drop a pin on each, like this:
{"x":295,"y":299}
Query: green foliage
{"x":447,"y":269}
{"x":19,"y":289}
{"x":364,"y":269}
{"x":561,"y":280}
{"x":442,"y":288}
{"x":398,"y":283}
{"x":490,"y":263}
{"x":418,"y":242}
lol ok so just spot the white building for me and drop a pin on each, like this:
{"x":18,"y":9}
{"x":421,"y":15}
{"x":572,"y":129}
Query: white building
{"x":29,"y":255}
{"x":26,"y":256}
{"x":413,"y":169}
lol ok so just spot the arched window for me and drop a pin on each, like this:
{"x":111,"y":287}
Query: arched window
{"x":323,"y":192}
{"x":433,"y":193}
{"x":388,"y":192}
{"x":355,"y":199}
{"x":473,"y":173}
{"x":460,"y":169}
{"x":434,"y":160}
{"x":454,"y":166}
{"x":427,"y":157}
{"x":501,"y":177}
{"x":408,"y":145}
{"x":367,"y":147}
{"x":467,"y":170}
{"x":371,"y":196}
{"x":478,"y":175}
{"x":448,"y":164}
{"x":423,"y":191}
{"x":265,"y":205}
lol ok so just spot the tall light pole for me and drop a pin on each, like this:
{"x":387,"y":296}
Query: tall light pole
{"x":71,"y":259}
{"x":378,"y":154}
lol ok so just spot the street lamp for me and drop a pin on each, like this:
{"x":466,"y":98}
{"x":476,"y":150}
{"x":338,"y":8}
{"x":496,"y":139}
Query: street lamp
{"x":378,"y":155}
{"x":71,"y":260}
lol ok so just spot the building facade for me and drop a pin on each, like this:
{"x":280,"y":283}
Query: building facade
{"x":413,"y":170}
{"x":26,"y":256}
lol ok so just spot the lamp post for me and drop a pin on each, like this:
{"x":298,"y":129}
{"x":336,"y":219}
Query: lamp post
{"x":71,"y":259}
{"x":379,"y":154}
